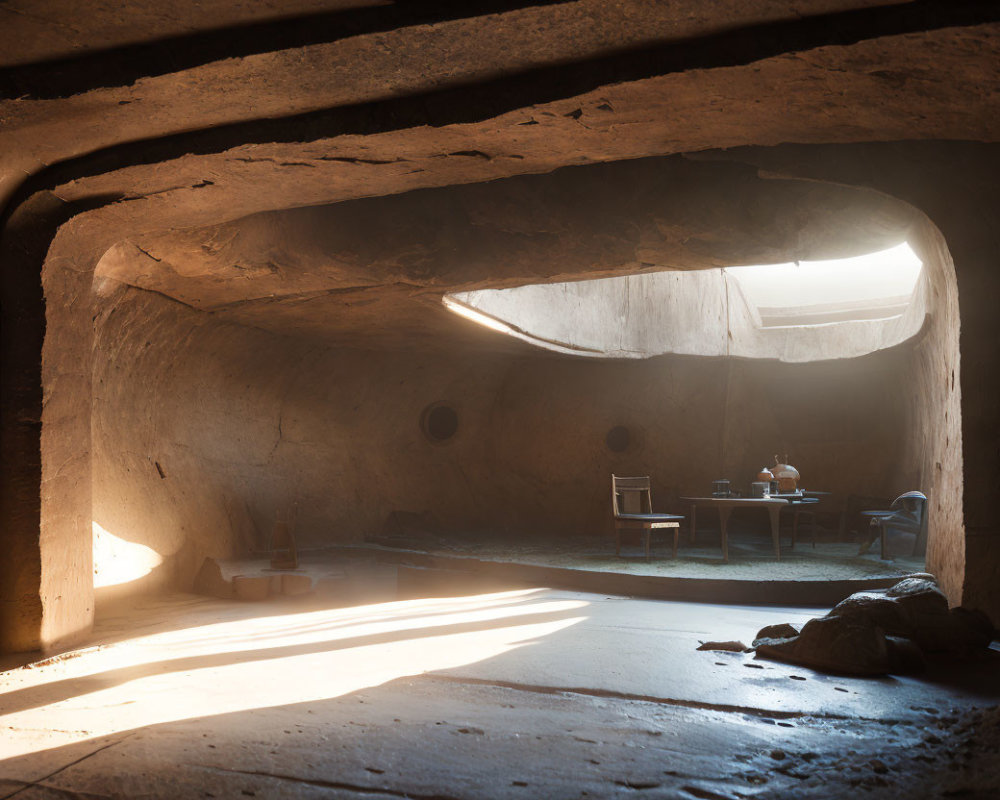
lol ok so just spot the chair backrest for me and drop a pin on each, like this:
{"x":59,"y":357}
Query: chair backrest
{"x":627,"y":495}
{"x":913,"y":503}
{"x":911,"y":517}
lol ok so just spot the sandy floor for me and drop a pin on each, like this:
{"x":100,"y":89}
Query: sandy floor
{"x":520,"y":694}
{"x":750,"y":558}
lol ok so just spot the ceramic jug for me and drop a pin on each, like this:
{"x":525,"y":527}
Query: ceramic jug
{"x":786,"y":474}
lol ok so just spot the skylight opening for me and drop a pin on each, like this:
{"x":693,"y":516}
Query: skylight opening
{"x":802,"y":311}
{"x":875,"y":286}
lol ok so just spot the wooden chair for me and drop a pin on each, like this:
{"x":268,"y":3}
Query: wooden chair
{"x":801,"y":508}
{"x":632,"y":509}
{"x":905,"y":519}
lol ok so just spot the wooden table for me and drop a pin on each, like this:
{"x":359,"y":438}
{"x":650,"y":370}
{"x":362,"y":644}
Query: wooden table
{"x":726,"y":506}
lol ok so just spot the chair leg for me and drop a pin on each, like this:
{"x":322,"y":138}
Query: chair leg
{"x":874,"y":532}
{"x":724,"y":512}
{"x":795,"y":527}
{"x":677,"y":533}
{"x":618,"y":542}
{"x":774,"y":512}
{"x":647,"y":535}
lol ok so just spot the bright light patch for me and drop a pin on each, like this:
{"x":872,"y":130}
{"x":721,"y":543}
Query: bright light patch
{"x":117,"y":561}
{"x":796,"y":312}
{"x":477,"y":316}
{"x":887,"y":274}
{"x":495,"y":324}
{"x":244,"y":664}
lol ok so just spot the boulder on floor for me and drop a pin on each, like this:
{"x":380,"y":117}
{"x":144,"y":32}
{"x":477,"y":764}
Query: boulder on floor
{"x":731,"y":647}
{"x":872,"y":633}
{"x":959,"y":632}
{"x":935,"y":627}
{"x":850,"y":645}
{"x":919,"y":596}
{"x":884,"y":611}
{"x":977,"y":627}
{"x":783,"y":630}
{"x":905,"y":656}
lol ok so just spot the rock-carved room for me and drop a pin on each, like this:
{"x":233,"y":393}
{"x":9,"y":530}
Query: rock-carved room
{"x":506,"y":399}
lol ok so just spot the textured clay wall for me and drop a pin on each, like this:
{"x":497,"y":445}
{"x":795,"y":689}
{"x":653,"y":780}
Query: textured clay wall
{"x":204,"y":431}
{"x":953,"y":407}
{"x":965,"y":209}
{"x":933,"y":412}
{"x":691,"y":420}
{"x":244,"y":425}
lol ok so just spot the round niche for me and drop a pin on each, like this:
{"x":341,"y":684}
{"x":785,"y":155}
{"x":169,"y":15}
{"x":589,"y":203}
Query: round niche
{"x":618,"y":439}
{"x":439,"y":422}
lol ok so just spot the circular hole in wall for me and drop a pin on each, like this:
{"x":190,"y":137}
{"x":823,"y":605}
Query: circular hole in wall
{"x":439,"y":422}
{"x":618,"y":439}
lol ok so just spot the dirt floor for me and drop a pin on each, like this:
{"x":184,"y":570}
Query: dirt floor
{"x":751,"y":555}
{"x":747,"y":561}
{"x":519,"y":694}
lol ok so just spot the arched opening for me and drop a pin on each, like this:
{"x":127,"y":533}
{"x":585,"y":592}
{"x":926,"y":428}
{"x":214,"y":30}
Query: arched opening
{"x":225,"y":399}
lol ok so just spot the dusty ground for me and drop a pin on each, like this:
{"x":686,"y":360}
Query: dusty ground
{"x":750,"y":551}
{"x":827,"y":562}
{"x":521,"y":694}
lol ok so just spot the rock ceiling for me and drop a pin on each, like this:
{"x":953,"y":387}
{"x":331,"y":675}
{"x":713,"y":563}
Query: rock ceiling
{"x":157,"y":131}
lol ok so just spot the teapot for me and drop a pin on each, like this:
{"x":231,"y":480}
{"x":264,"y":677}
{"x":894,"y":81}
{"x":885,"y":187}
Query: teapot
{"x":786,"y":475}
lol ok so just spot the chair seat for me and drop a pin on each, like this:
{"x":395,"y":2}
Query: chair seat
{"x":635,"y":497}
{"x":904,"y":525}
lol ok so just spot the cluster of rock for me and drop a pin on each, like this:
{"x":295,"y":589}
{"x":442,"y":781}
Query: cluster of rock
{"x":880,"y":632}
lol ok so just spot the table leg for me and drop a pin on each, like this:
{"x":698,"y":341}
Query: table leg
{"x":774,"y":511}
{"x":795,"y":526}
{"x":694,"y":518}
{"x":724,"y":512}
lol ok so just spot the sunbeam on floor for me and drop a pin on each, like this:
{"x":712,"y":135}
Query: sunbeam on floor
{"x":255,"y":662}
